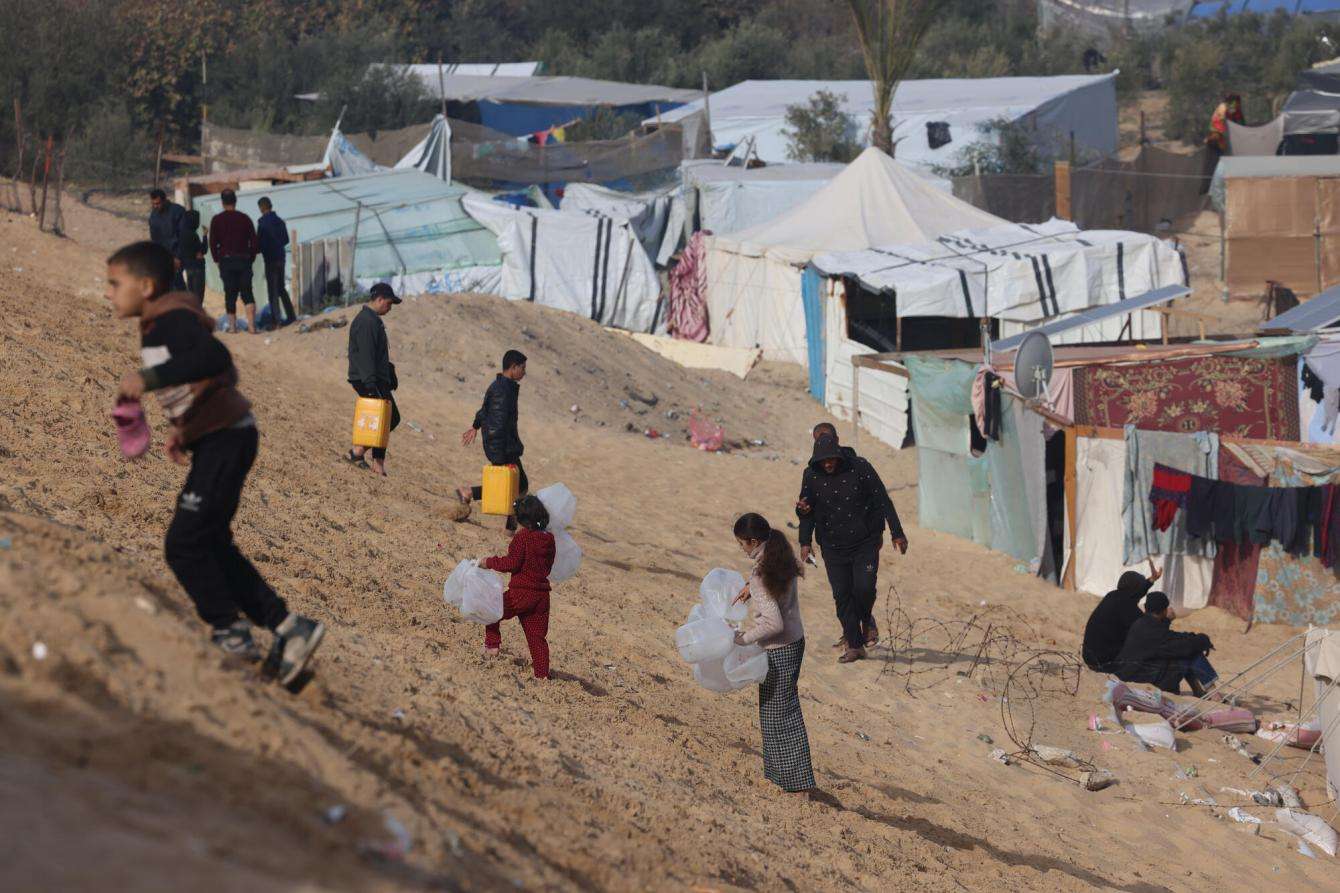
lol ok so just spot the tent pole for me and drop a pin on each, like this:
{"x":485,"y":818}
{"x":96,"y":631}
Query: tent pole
{"x":1071,"y":477}
{"x":855,"y":404}
{"x":442,"y":87}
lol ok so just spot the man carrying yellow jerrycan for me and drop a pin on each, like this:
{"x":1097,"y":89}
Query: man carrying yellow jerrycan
{"x":372,"y":375}
{"x":504,"y":479}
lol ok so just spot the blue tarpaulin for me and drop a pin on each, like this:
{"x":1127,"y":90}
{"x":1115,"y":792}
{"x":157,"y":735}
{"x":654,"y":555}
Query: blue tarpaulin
{"x":811,"y":294}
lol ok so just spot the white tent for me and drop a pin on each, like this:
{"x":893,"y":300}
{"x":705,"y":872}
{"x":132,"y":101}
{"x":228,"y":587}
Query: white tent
{"x":1051,"y":107}
{"x":1020,"y":275}
{"x":733,"y":198}
{"x":591,"y":264}
{"x":1322,"y":661}
{"x":432,"y":154}
{"x":650,"y":214}
{"x":753,"y":276}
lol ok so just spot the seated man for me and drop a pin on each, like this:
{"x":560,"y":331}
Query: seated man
{"x":1154,"y":653}
{"x":1109,"y":623}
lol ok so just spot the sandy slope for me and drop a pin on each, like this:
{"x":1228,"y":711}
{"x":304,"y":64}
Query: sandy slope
{"x":136,"y":758}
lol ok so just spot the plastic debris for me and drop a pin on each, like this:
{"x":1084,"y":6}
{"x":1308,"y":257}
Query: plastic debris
{"x":1288,"y":795}
{"x":335,"y":814}
{"x":413,"y":426}
{"x":1306,"y":850}
{"x":1234,"y":743}
{"x":39,"y":651}
{"x":398,"y":714}
{"x":985,"y":739}
{"x":1238,"y":815}
{"x":1000,"y":756}
{"x":145,"y":605}
{"x":705,"y":434}
{"x":863,"y":736}
{"x":1056,"y":756}
{"x":1155,"y":734}
{"x":1185,"y":774}
{"x":652,"y":434}
{"x":574,"y":409}
{"x":1311,"y":828}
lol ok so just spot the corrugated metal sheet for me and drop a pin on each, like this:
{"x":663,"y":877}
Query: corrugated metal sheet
{"x":1098,"y":314}
{"x":1318,"y":313}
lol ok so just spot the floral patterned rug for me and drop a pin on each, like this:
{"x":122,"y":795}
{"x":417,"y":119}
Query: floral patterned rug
{"x":1235,"y":396}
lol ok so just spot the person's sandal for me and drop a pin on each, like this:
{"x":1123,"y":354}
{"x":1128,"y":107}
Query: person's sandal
{"x":841,"y":642}
{"x":464,"y":495}
{"x":871,"y":635}
{"x":356,"y":460}
{"x":851,"y":655}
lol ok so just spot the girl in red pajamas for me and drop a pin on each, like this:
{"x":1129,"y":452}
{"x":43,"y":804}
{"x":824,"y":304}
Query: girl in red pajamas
{"x":529,"y":559}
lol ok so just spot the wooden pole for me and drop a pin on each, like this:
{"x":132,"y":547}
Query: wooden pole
{"x":1143,"y":138}
{"x":707,"y":115}
{"x":58,"y":218}
{"x":1071,"y":481}
{"x":158,"y":158}
{"x":46,"y":179}
{"x":18,"y":162}
{"x":1062,"y":187}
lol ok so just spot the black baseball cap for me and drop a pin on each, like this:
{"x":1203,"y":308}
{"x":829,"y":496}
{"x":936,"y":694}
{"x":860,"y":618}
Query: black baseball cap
{"x":382,"y":290}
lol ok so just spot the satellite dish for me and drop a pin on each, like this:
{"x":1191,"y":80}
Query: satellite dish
{"x":1033,"y":365}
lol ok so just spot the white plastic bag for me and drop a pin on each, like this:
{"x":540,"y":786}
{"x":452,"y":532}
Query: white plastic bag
{"x":711,"y":675}
{"x":1309,"y":827}
{"x":561,"y":505}
{"x":567,"y":557}
{"x":482,"y":596}
{"x":746,"y":665}
{"x":454,"y":589}
{"x":718,"y":590}
{"x":708,"y":639}
{"x":1155,"y":734}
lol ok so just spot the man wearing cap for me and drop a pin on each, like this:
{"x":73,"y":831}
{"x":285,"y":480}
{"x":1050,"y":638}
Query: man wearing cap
{"x":371,"y":371}
{"x":1154,"y":653}
{"x":845,"y":505}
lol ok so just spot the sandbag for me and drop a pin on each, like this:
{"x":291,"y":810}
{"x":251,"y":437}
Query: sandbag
{"x":718,"y":591}
{"x":482,"y":596}
{"x":746,"y":665}
{"x":567,"y":557}
{"x":561,"y":505}
{"x":453,"y":590}
{"x":708,"y":639}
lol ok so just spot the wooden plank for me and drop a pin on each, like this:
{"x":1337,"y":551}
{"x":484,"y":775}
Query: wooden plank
{"x":1062,"y":187}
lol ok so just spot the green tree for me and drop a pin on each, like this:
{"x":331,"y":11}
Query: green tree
{"x":819,"y":130}
{"x":889,"y":32}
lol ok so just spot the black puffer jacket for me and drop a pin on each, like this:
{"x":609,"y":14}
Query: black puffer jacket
{"x":1154,"y":653}
{"x":496,"y":420}
{"x":850,"y":508}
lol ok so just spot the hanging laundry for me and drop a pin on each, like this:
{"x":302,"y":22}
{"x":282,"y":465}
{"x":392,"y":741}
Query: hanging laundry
{"x":1192,"y":453}
{"x":991,"y":406}
{"x":1168,"y":494}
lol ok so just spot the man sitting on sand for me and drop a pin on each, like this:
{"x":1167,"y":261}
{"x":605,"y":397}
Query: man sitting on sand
{"x":1154,"y":653}
{"x":1109,"y":623}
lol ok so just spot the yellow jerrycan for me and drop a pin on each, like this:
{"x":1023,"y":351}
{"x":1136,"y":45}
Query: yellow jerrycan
{"x":502,"y":485}
{"x":372,"y":422}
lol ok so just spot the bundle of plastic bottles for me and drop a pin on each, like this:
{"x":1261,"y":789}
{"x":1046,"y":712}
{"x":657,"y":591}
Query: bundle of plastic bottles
{"x":562,"y":507}
{"x":707,"y":639}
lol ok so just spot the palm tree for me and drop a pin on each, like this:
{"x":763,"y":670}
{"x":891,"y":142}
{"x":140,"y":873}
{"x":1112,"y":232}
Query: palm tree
{"x":889,"y":31}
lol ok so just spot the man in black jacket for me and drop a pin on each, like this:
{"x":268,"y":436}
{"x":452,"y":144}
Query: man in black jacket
{"x":1154,"y":653}
{"x":845,"y":505}
{"x":165,"y":223}
{"x":1109,"y":623}
{"x":497,"y":418}
{"x":371,"y":371}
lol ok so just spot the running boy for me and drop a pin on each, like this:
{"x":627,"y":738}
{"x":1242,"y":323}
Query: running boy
{"x":497,"y":418}
{"x":529,"y":559}
{"x":193,"y":376}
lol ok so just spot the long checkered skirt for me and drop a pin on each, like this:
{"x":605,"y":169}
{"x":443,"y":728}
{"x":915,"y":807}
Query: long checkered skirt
{"x":786,"y":747}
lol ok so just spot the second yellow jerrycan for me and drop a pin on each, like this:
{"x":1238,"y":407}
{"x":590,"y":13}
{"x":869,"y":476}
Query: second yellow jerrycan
{"x":502,"y":485}
{"x":372,"y":422}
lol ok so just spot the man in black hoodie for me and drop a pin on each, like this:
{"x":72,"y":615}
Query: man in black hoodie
{"x":371,"y":371}
{"x":845,"y":505}
{"x":497,"y":418}
{"x":1109,"y":623}
{"x":1154,"y":653}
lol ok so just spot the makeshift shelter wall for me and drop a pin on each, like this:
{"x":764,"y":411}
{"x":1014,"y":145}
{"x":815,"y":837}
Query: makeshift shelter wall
{"x":409,"y":228}
{"x":648,"y":212}
{"x":1322,"y":662}
{"x":730,"y":200}
{"x":586,"y":264}
{"x":941,"y":403}
{"x":227,"y":148}
{"x":884,"y":395}
{"x":1284,"y":229}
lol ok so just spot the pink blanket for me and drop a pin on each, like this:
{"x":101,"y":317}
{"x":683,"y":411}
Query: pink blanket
{"x":1228,"y":719}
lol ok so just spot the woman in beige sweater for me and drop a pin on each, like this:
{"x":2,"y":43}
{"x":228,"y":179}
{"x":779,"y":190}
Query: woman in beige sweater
{"x":772,"y":591}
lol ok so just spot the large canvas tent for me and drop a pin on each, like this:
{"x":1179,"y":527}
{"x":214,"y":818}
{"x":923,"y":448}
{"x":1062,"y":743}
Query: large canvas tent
{"x":586,"y":263}
{"x":406,"y":227}
{"x":753,"y":276}
{"x":936,"y":119}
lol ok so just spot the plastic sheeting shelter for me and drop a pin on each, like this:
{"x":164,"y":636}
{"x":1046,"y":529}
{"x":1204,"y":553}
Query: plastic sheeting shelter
{"x":1051,"y":107}
{"x":408,"y":228}
{"x":655,"y":216}
{"x":1281,"y":222}
{"x":754,"y":276}
{"x":734,"y":198}
{"x":589,"y":264}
